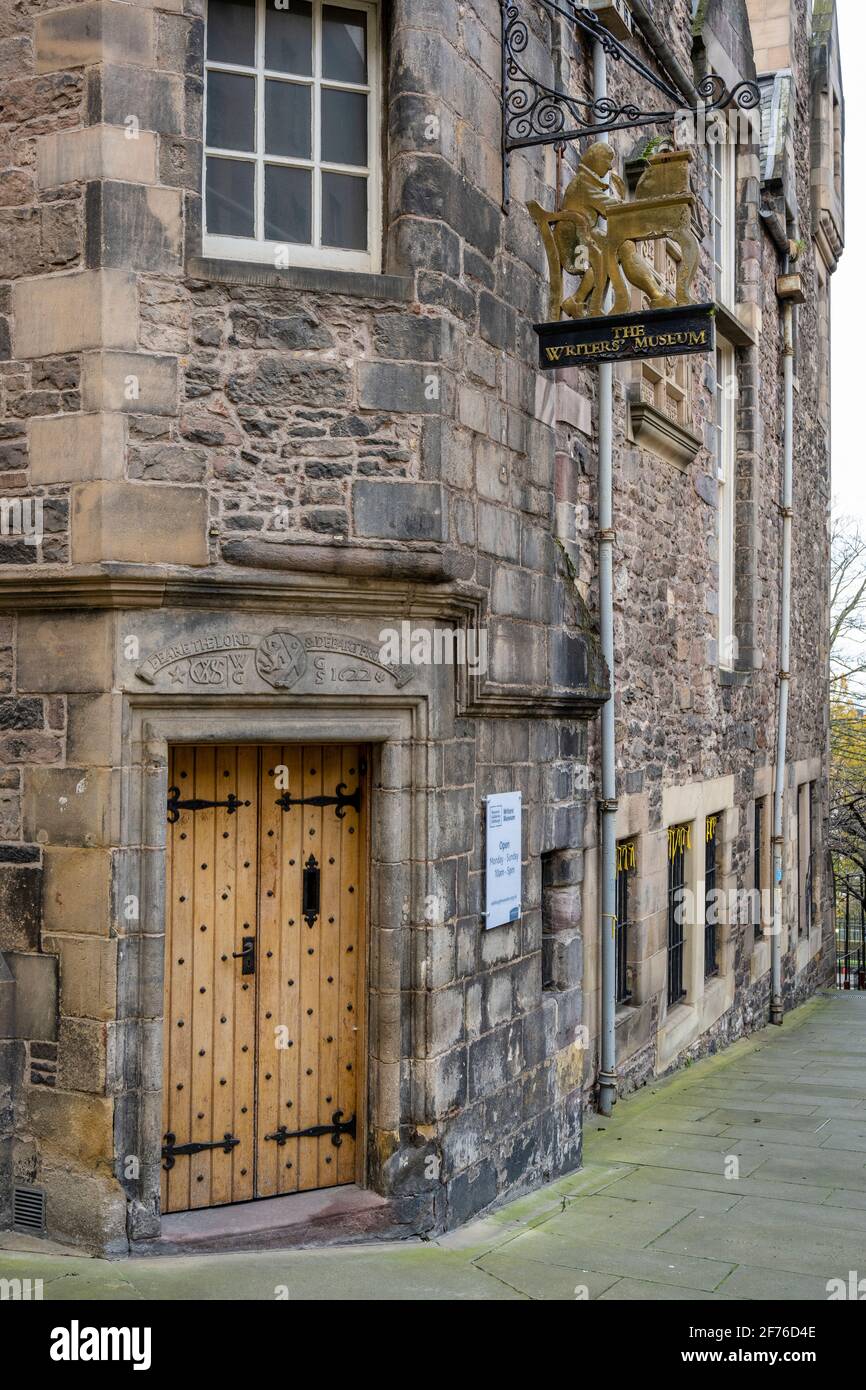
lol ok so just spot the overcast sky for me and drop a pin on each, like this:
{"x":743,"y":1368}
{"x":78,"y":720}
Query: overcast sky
{"x":848,"y":294}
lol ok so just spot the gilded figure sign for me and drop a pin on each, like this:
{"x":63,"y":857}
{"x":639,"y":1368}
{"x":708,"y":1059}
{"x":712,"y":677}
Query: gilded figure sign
{"x":593,"y":235}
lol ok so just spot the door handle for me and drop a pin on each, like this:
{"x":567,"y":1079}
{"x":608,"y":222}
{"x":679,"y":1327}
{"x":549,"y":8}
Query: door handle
{"x":247,"y":955}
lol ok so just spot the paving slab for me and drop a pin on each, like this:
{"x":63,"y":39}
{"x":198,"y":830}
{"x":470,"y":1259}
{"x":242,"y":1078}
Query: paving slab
{"x":636,"y":1291}
{"x":686,"y":1181}
{"x":634,"y":1187}
{"x":547,"y":1281}
{"x":748,"y":1282}
{"x":595,"y":1256}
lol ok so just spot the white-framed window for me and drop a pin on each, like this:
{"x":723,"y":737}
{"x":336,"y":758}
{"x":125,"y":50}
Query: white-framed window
{"x":726,"y":467}
{"x":291,"y":133}
{"x":723,"y":190}
{"x":663,"y":382}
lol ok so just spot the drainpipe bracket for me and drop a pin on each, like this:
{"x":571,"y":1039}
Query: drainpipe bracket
{"x":787,"y":513}
{"x":608,"y":534}
{"x":608,"y":804}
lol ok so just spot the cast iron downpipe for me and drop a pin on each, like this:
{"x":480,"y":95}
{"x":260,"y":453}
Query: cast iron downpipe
{"x":663,"y":53}
{"x":607,"y":1070}
{"x":784,"y":665}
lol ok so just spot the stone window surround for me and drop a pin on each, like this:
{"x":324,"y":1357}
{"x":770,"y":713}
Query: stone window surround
{"x":396,"y":730}
{"x":253,"y":251}
{"x":706,"y":999}
{"x":378,"y":284}
{"x":758,"y":947}
{"x":800,"y":773}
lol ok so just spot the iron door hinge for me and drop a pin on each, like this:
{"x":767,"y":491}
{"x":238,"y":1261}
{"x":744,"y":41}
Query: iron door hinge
{"x":340,"y":801}
{"x":336,"y":1129}
{"x":171,"y":1150}
{"x":195,"y":803}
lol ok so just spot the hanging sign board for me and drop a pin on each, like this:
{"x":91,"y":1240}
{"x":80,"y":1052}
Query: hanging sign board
{"x":624,"y":337}
{"x":502,"y":859}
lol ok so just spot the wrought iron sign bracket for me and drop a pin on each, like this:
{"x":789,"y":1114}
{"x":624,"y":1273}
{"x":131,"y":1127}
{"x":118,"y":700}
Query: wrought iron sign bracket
{"x":534,"y":113}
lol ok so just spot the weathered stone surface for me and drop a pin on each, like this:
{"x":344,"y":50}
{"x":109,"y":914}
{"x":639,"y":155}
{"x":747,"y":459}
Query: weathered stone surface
{"x":83,"y":1122}
{"x":72,"y":448}
{"x":132,"y":225}
{"x":138,"y":383}
{"x":95,"y":152}
{"x":139,"y":523}
{"x":88,"y":1208}
{"x":67,"y":805}
{"x":278,"y":380}
{"x":36,"y":1002}
{"x":88,"y":976}
{"x":20,"y":907}
{"x":401,"y":511}
{"x":77,"y":891}
{"x":155,"y":98}
{"x":67,"y":652}
{"x":88,"y":309}
{"x":82,"y":1055}
{"x":96,"y":32}
{"x":399,"y":386}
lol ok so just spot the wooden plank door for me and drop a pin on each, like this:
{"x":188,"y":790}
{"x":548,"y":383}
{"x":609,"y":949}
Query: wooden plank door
{"x":311,"y":1018}
{"x":209,"y":1027}
{"x":264,"y":1018}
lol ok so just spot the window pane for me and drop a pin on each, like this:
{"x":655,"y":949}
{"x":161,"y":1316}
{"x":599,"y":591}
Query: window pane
{"x":289,"y":37}
{"x":344,"y":211}
{"x":230,"y":197}
{"x":231,"y":31}
{"x":288,"y":204}
{"x":231,"y":111}
{"x":287,"y":120}
{"x":344,"y":44}
{"x":344,"y":127}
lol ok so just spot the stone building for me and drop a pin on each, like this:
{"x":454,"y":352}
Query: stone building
{"x":298,"y":569}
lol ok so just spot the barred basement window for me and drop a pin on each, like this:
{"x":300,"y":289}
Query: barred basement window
{"x":291,"y":172}
{"x":626,"y":866}
{"x":711,"y":905}
{"x":679,"y":841}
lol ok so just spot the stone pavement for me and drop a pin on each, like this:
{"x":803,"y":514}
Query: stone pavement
{"x":652,"y":1215}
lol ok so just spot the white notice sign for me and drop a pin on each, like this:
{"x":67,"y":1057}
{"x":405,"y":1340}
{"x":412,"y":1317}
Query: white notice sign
{"x":503,"y":859}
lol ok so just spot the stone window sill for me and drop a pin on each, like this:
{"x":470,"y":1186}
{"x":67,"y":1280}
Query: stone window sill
{"x":356,"y":283}
{"x":653,"y":430}
{"x":728,"y":677}
{"x":733,"y":329}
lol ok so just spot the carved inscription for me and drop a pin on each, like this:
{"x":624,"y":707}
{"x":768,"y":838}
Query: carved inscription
{"x":230,"y":661}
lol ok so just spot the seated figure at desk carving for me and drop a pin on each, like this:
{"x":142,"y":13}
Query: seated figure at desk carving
{"x":576,"y":243}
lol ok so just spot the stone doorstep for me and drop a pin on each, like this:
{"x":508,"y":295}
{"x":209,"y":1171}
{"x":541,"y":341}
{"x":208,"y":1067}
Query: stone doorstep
{"x":329,"y":1216}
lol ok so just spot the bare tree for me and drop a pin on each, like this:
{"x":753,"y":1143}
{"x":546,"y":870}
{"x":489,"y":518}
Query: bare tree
{"x":847,"y":604}
{"x":848,"y":702}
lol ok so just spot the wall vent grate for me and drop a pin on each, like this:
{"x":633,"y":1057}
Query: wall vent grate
{"x":28,"y":1210}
